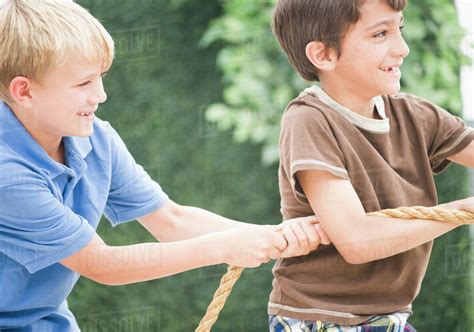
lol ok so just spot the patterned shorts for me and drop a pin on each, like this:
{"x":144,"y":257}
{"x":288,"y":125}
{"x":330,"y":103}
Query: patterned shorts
{"x":391,"y":323}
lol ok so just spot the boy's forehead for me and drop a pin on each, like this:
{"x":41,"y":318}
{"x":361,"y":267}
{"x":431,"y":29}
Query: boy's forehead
{"x":378,"y":12}
{"x":73,"y":69}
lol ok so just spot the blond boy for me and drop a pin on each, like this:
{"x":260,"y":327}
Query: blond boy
{"x":61,"y":168}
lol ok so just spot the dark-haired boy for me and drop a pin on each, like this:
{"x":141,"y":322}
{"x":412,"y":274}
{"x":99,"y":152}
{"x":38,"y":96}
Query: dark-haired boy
{"x":353,"y":145}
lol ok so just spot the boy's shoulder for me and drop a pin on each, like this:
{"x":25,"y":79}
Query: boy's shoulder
{"x":306,"y":107}
{"x":404,"y":99}
{"x":410,"y":107}
{"x":311,"y":104}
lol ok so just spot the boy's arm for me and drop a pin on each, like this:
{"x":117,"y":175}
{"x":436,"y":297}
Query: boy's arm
{"x":465,"y":157}
{"x":174,"y":222}
{"x":357,"y":237}
{"x":206,"y":239}
{"x":119,"y":265}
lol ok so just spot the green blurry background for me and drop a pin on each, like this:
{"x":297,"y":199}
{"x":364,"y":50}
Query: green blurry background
{"x":196,"y":92}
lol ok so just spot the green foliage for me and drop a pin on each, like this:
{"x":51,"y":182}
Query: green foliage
{"x":260,"y":82}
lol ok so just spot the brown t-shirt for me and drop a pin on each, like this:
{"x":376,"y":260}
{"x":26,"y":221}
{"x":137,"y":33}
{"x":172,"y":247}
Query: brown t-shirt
{"x":390,"y":162}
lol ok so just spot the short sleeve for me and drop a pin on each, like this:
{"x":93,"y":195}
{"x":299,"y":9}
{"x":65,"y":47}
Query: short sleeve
{"x":308,"y":143}
{"x":133,"y":193}
{"x":36,"y":229}
{"x":445,"y":133}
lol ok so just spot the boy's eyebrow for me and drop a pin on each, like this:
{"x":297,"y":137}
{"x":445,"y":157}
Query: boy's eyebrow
{"x":385,"y":22}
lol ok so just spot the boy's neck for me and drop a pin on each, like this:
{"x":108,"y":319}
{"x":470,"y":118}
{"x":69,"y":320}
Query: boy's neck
{"x":56,"y":152}
{"x":361,"y":105}
{"x":54,"y":147}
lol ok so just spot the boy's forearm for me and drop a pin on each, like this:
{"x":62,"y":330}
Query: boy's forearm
{"x":141,"y":262}
{"x":246,"y":247}
{"x":377,"y":237}
{"x":357,"y":237}
{"x":454,"y":205}
{"x":195,"y":222}
{"x":175,"y":222}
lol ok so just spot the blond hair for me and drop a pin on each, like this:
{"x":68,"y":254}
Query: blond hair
{"x":38,"y":35}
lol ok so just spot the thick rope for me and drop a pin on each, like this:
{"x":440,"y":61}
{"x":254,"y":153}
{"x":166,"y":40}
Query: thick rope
{"x":416,"y":212}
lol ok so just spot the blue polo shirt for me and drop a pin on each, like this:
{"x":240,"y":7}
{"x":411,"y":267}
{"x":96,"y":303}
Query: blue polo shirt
{"x":49,"y":211}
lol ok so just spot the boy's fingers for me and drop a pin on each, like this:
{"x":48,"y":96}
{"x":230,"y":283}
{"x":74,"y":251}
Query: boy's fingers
{"x":278,"y":228}
{"x":301,"y":236}
{"x":310,"y":219}
{"x":322,"y":234}
{"x":274,"y":253}
{"x":290,"y":237}
{"x":279,"y":241}
{"x":312,"y":234}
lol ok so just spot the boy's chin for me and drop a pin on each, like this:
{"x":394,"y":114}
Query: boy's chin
{"x":84,"y":132}
{"x":391,"y":90}
{"x":82,"y":129}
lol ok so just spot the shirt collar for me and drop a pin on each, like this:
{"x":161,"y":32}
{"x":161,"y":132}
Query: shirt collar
{"x":378,"y":126}
{"x":15,"y":135}
{"x":80,"y":145}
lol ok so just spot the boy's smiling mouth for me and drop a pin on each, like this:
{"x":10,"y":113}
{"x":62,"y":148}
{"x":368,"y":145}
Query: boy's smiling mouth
{"x":86,"y":114}
{"x":395,"y":70}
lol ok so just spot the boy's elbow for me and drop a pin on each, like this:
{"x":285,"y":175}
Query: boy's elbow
{"x":354,"y":259}
{"x":165,"y":222}
{"x":98,"y":279}
{"x":350,"y":244}
{"x":352,"y":253}
{"x":106,"y":280}
{"x":350,"y":257}
{"x":95,"y":264}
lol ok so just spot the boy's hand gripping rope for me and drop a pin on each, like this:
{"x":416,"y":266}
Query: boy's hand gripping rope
{"x":416,"y":212}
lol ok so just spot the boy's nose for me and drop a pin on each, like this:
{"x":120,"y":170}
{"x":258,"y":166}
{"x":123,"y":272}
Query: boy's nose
{"x":102,"y":97}
{"x":99,"y":96}
{"x":401,"y":48}
{"x":406,"y":48}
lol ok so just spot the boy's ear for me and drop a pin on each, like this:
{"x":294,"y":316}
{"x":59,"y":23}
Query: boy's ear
{"x":20,"y":91}
{"x":322,"y":58}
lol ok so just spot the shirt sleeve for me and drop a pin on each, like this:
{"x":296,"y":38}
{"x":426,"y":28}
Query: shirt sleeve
{"x":133,"y":193}
{"x":36,"y":229}
{"x":445,"y":134}
{"x":308,"y":143}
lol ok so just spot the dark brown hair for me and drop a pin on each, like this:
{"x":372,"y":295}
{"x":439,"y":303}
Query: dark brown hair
{"x":299,"y":22}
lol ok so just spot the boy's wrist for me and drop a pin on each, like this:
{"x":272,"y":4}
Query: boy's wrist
{"x":454,"y":205}
{"x":219,"y":248}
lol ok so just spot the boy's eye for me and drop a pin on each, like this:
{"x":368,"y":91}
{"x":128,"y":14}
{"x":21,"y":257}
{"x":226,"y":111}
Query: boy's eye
{"x":380,"y":34}
{"x":86,"y":83}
